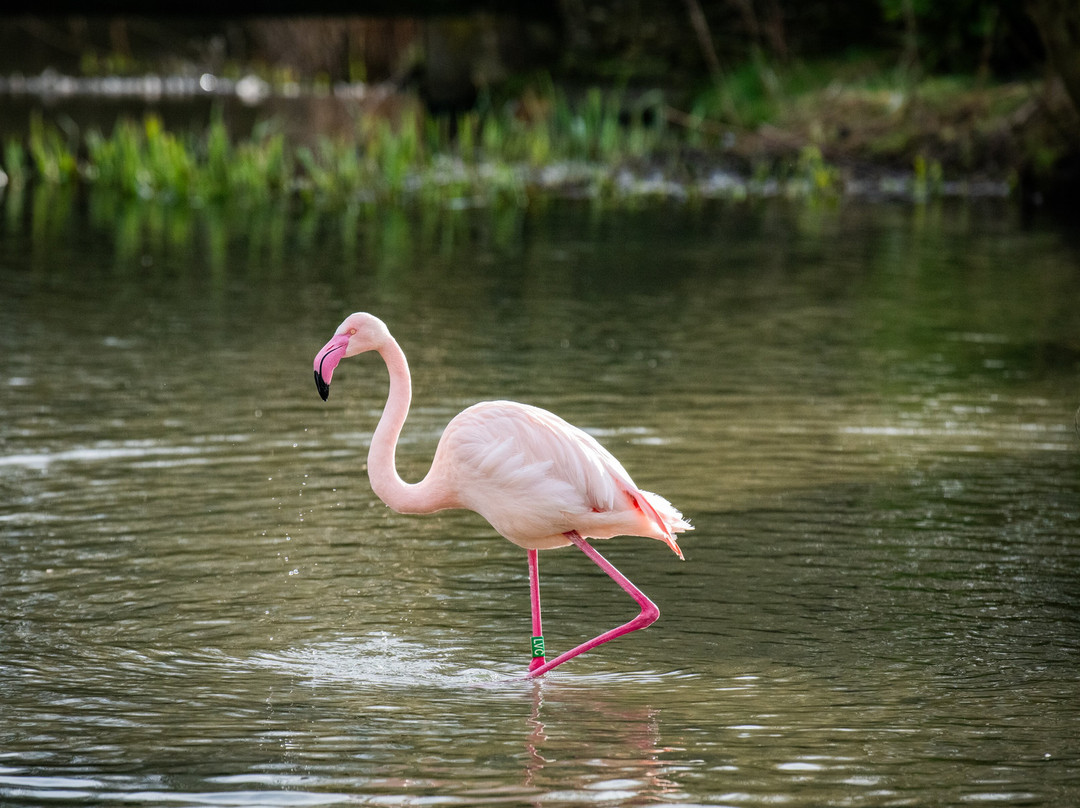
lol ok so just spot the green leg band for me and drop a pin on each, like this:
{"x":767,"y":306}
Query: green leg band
{"x":537,"y":647}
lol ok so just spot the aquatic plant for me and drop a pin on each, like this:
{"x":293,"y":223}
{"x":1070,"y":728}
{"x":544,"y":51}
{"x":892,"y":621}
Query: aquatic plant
{"x":611,"y":145}
{"x":15,"y":169}
{"x":51,"y":153}
{"x":816,"y":172}
{"x":928,"y":175}
{"x":145,"y":160}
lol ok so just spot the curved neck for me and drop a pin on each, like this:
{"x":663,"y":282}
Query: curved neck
{"x":403,"y":497}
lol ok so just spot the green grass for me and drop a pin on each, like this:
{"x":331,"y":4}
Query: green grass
{"x":485,"y":154}
{"x":143,"y":159}
{"x":540,"y":139}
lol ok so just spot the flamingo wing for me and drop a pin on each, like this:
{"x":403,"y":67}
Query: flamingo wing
{"x":535,"y":477}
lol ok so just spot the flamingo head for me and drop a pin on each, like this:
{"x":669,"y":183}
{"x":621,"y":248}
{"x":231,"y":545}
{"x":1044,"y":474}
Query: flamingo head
{"x":358,"y":333}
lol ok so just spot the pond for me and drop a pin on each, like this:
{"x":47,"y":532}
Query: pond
{"x":867,"y":411}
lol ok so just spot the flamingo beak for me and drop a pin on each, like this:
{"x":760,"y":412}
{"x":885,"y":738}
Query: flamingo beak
{"x":326,"y":360}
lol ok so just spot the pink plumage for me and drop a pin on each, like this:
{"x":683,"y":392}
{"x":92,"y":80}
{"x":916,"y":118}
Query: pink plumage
{"x":538,"y":480}
{"x":535,"y":478}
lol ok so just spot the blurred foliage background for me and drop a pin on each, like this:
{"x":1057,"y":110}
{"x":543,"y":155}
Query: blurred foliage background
{"x":966,"y":88}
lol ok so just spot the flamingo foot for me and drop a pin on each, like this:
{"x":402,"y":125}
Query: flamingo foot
{"x":648,"y":615}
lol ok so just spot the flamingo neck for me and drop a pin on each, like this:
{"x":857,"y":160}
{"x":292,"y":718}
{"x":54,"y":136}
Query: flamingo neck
{"x":403,"y":497}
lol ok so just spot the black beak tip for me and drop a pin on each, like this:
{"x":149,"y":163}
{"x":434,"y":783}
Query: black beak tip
{"x":321,"y":386}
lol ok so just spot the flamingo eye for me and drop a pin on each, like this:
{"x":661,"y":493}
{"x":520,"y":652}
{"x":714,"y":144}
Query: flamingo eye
{"x":352,"y":332}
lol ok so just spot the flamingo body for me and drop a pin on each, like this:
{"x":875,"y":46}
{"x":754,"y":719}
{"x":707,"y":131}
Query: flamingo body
{"x":538,"y":480}
{"x":535,"y":477}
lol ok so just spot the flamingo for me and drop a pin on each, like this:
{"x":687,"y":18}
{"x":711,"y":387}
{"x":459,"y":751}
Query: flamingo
{"x":539,"y":481}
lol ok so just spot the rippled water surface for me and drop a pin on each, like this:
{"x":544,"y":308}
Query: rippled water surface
{"x":867,"y":411}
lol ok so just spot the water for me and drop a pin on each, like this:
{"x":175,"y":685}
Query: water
{"x":867,"y":411}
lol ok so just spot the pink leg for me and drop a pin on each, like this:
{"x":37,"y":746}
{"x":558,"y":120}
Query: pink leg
{"x":534,"y":601}
{"x":648,"y":614}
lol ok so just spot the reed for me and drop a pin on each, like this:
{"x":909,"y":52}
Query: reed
{"x":488,"y":155}
{"x":51,"y":152}
{"x":609,"y":145}
{"x":15,"y":168}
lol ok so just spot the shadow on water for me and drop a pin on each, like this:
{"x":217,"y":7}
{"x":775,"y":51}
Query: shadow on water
{"x":867,"y":411}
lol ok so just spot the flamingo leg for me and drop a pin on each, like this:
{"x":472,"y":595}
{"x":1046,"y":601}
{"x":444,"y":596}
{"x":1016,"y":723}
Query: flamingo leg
{"x":534,"y":602}
{"x":648,"y":614}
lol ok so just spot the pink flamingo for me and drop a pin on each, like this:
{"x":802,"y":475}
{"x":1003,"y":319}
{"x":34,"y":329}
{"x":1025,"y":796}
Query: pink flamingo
{"x":539,"y":481}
